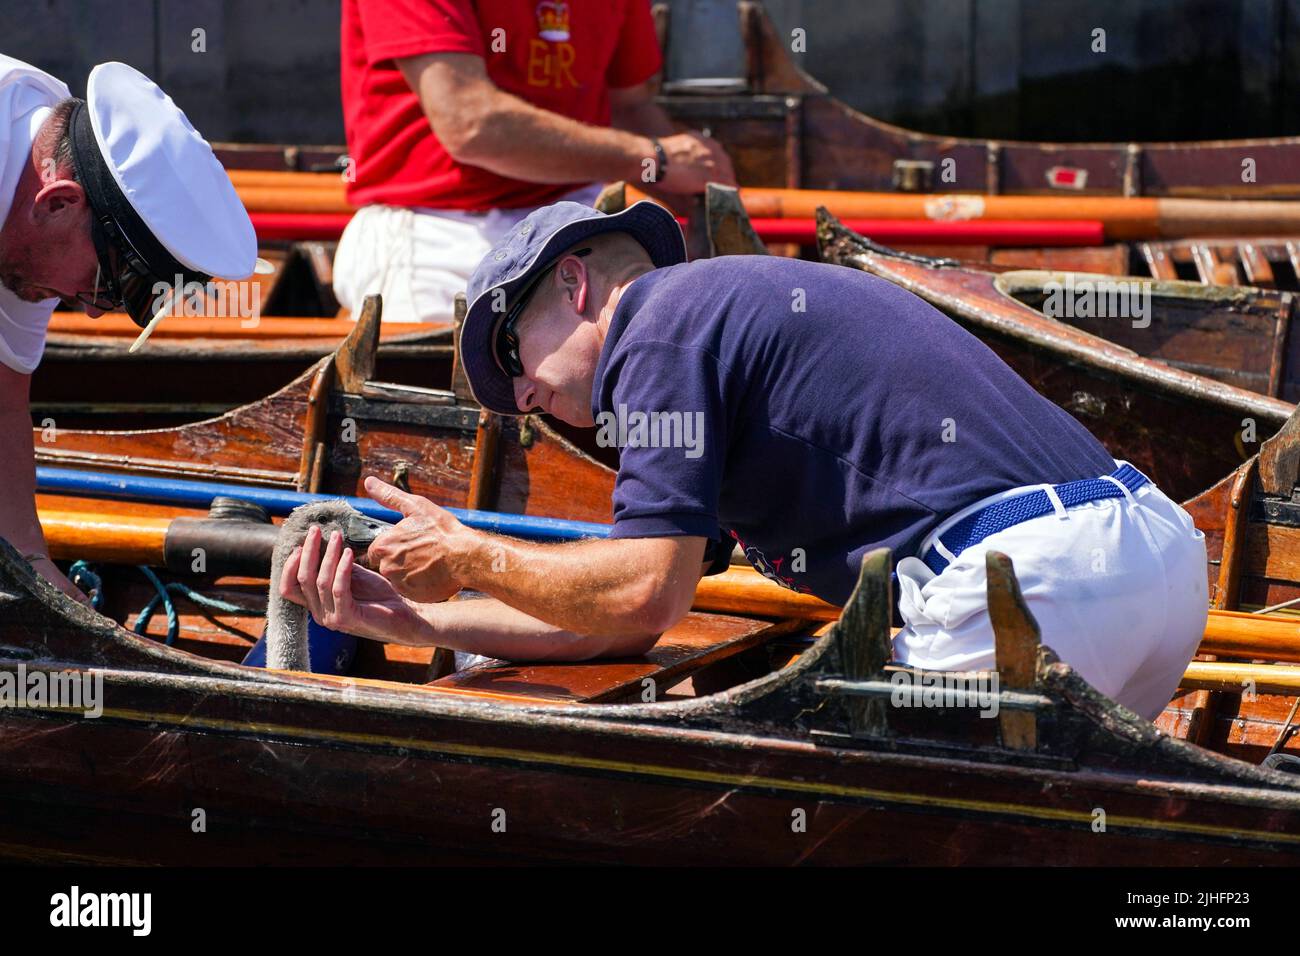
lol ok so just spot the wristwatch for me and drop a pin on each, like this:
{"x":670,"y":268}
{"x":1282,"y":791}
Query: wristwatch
{"x":661,"y":160}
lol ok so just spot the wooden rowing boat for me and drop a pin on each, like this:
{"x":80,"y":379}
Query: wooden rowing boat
{"x":1241,"y":335}
{"x":1141,"y":395}
{"x":784,"y":129}
{"x":809,"y":761}
{"x":809,"y":743}
{"x":1203,"y":347}
{"x":267,"y":331}
{"x":195,"y":368}
{"x":336,"y":423}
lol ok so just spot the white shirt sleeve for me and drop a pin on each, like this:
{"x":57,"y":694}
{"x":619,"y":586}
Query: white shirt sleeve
{"x":22,"y":331}
{"x":26,"y":95}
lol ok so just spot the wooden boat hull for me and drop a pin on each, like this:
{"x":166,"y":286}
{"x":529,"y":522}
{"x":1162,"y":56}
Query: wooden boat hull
{"x":309,"y":768}
{"x":323,"y":432}
{"x":786,"y":130}
{"x":290,"y":768}
{"x":1184,"y":430}
{"x":279,"y":785}
{"x":197,"y":368}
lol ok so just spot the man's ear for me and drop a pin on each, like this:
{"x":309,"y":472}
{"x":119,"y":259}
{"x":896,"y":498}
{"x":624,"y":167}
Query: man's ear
{"x":573,"y":277}
{"x":58,"y":199}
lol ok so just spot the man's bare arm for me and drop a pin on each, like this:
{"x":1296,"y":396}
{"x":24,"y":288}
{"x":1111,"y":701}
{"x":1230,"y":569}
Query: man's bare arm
{"x":495,"y":629}
{"x":481,"y":125}
{"x":621,"y":586}
{"x":19,"y":524}
{"x":324,"y":578}
{"x":626,"y":587}
{"x":633,"y":108}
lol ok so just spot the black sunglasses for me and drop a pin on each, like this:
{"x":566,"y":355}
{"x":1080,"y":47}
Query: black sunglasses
{"x":128,"y":282}
{"x":507,"y":343}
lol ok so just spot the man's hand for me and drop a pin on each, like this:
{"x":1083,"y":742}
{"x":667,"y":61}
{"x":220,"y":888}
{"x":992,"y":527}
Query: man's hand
{"x":347,"y":598}
{"x":417,"y":555}
{"x":50,"y":572}
{"x":694,"y":161}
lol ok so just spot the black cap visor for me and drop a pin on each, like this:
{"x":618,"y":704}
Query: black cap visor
{"x":136,"y":271}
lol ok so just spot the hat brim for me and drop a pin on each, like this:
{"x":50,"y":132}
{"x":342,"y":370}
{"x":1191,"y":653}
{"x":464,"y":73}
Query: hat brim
{"x":648,"y":222}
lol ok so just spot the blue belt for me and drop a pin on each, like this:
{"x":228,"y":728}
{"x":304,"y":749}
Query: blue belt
{"x":978,"y":525}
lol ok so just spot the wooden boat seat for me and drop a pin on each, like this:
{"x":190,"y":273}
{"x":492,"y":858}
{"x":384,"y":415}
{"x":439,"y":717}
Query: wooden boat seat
{"x":697,"y":641}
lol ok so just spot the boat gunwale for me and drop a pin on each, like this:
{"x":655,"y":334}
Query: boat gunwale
{"x":1035,"y":329}
{"x":630,"y":721}
{"x":722,"y":716}
{"x":1023,"y":280}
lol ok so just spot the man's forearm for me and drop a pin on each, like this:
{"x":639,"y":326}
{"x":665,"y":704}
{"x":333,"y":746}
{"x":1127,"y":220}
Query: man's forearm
{"x":587,"y":587}
{"x":18,"y":521}
{"x":489,"y":627}
{"x":647,"y":118}
{"x":555,"y":148}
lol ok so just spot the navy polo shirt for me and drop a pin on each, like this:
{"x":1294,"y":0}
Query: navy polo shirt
{"x":811,"y":413}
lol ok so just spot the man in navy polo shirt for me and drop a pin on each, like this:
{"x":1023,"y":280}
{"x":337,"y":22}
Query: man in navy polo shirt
{"x":808,"y":413}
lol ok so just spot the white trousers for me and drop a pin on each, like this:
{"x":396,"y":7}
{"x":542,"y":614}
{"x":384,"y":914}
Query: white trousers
{"x":1118,"y":588}
{"x":418,"y":259}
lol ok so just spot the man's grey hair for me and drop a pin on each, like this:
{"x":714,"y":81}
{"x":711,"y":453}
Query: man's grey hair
{"x":60,"y":131}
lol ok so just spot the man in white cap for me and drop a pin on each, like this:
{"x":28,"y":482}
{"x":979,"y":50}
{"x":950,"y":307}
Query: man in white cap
{"x":807,"y":413}
{"x":105,"y":202}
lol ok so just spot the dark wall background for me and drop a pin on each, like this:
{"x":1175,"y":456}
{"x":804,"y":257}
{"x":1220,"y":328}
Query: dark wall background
{"x":270,"y":72}
{"x":1173,"y":69}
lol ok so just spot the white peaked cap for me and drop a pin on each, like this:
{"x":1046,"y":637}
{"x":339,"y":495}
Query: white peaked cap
{"x":168,"y":173}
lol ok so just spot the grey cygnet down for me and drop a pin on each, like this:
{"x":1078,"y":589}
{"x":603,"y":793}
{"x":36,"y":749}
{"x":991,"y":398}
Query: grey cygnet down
{"x":286,"y":622}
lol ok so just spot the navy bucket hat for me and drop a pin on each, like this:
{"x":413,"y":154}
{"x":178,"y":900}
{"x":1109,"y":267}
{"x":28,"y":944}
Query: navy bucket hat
{"x":526,"y":250}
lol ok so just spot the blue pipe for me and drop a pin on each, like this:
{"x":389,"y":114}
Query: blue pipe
{"x":279,"y":501}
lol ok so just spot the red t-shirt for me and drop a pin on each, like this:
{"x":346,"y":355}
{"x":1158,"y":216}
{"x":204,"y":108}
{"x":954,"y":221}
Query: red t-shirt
{"x":560,"y":56}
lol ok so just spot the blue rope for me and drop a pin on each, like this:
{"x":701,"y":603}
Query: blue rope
{"x":83,"y":577}
{"x":163,"y":596}
{"x":173,"y":622}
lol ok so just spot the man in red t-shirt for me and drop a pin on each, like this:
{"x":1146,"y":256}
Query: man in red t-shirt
{"x":463,"y":116}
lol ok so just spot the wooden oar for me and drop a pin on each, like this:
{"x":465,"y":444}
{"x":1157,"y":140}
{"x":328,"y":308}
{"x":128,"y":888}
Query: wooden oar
{"x":139,"y":539}
{"x":285,"y":179}
{"x":1235,"y":678}
{"x":1131,"y":218}
{"x":119,"y":325}
{"x":101,"y":536}
{"x":272,"y":199}
{"x":1239,"y":634}
{"x":1124,"y":218}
